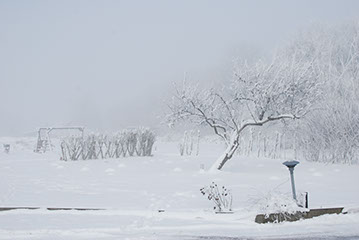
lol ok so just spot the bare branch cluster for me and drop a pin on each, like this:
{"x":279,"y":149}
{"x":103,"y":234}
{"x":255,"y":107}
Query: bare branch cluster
{"x":128,"y":142}
{"x":221,"y":196}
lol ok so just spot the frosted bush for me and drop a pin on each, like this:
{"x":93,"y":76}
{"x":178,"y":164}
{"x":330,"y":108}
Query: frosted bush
{"x":145,"y":140}
{"x":137,"y":141}
{"x":275,"y":202}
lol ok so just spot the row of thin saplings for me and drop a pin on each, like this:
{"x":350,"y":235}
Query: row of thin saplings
{"x":135,"y":142}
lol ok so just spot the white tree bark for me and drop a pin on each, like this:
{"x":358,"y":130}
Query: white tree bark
{"x":227,"y":154}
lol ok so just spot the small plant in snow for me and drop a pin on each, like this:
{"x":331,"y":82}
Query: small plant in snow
{"x":222,"y":197}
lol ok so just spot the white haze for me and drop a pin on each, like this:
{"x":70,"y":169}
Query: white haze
{"x":111,"y":64}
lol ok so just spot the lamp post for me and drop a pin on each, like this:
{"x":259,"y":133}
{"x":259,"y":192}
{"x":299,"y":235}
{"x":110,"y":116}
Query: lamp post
{"x":291,"y":165}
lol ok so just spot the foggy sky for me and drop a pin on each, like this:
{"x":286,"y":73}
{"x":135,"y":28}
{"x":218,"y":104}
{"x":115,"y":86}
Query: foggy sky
{"x":108,"y":65}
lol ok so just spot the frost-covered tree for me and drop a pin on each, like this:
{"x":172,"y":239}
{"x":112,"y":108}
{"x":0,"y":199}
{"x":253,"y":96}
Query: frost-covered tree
{"x":259,"y":93}
{"x":331,"y":133}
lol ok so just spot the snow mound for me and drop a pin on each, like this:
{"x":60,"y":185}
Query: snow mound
{"x":276,"y":202}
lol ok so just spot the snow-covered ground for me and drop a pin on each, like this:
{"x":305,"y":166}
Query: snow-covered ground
{"x":131,"y":191}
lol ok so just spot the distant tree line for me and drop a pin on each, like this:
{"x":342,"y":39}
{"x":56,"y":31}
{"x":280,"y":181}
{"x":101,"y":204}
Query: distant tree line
{"x":330,"y":133}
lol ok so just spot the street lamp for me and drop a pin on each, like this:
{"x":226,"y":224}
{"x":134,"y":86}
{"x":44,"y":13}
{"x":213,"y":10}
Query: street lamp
{"x":291,"y":165}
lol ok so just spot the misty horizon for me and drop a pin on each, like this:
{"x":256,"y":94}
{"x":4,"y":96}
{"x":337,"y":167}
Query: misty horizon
{"x":111,"y":65}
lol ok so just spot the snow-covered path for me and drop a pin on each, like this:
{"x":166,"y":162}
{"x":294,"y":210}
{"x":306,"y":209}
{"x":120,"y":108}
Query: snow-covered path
{"x":118,"y":224}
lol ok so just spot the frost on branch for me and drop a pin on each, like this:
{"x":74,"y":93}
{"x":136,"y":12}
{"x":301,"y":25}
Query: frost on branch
{"x":330,"y":134}
{"x":259,"y":93}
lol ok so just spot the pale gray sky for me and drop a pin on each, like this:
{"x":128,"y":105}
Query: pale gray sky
{"x":109,"y":64}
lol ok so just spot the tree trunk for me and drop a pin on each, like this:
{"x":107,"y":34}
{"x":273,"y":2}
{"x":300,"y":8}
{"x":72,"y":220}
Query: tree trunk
{"x":228,"y":153}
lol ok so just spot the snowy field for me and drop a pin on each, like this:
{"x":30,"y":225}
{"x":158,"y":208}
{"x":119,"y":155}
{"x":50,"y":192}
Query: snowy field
{"x":131,"y":190}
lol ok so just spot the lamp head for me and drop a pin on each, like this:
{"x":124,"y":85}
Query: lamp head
{"x":290,"y":164}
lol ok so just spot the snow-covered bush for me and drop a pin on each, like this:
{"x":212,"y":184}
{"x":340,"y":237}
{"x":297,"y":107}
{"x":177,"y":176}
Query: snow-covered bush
{"x":133,"y":141}
{"x":221,"y":196}
{"x":145,"y":140}
{"x":276,"y":202}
